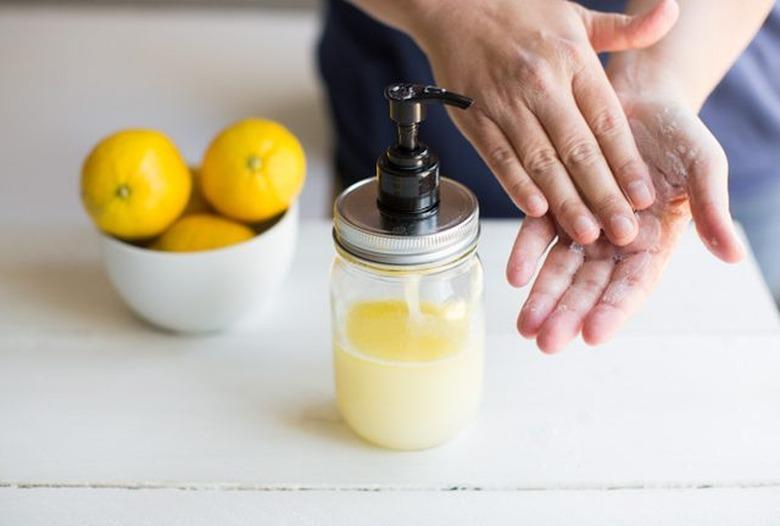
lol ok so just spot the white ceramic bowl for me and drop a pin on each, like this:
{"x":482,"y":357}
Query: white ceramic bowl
{"x":203,"y":291}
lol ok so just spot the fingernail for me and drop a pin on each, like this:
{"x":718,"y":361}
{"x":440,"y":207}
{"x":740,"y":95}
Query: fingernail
{"x":584,"y":226}
{"x":621,"y":226}
{"x":639,"y":193}
{"x":536,"y":204}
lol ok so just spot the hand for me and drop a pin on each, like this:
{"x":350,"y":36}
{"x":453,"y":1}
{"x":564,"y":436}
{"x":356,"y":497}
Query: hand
{"x":547,"y":121}
{"x":594,"y":288}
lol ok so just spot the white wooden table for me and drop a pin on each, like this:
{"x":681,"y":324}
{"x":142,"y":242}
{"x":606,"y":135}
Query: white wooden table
{"x":104,"y":420}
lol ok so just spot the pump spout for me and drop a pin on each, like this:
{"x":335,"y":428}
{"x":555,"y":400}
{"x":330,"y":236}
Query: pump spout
{"x":407,"y":101}
{"x":408,"y":172}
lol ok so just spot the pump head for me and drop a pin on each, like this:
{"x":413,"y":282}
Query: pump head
{"x":408,"y":171}
{"x":421,"y":219}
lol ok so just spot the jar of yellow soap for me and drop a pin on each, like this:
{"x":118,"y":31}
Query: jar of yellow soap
{"x":406,"y":290}
{"x":407,"y":320}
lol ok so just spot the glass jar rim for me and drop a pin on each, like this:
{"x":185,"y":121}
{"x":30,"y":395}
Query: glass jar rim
{"x":402,"y":270}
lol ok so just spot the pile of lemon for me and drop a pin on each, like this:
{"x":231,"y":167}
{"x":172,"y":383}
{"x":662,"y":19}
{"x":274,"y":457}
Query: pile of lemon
{"x":136,"y":186}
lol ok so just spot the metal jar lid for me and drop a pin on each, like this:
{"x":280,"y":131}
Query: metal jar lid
{"x":360,"y":229}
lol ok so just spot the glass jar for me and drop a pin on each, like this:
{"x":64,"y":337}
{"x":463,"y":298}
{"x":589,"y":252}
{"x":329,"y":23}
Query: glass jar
{"x":407,"y":321}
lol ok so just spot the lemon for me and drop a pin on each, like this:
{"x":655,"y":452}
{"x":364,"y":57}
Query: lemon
{"x":134,"y":184}
{"x":253,"y":170}
{"x":202,"y":232}
{"x":197,"y":203}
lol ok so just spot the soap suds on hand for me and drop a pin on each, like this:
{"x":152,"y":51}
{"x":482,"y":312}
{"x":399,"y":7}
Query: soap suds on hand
{"x":627,"y":274}
{"x":673,"y":158}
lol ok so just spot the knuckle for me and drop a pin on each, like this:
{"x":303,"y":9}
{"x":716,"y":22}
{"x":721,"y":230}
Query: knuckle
{"x":478,"y":114}
{"x":562,"y":266}
{"x":558,"y":268}
{"x":633,"y":281}
{"x":628,"y":170}
{"x":582,"y":153}
{"x":541,"y":162}
{"x":607,"y":123}
{"x":478,"y":123}
{"x":571,"y":52}
{"x":501,"y":157}
{"x":590,"y":286}
{"x":569,"y":208}
{"x":519,"y":187}
{"x":612,"y":298}
{"x":534,"y":71}
{"x":610,"y":203}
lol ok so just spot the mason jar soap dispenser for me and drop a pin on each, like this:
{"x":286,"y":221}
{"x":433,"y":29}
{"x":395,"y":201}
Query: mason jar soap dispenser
{"x":406,"y":291}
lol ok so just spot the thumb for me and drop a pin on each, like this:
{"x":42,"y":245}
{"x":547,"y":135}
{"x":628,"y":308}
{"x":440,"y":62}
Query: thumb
{"x":709,"y":198}
{"x":619,"y":32}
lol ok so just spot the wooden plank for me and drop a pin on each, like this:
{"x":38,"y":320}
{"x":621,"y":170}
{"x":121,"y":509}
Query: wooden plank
{"x":170,"y":507}
{"x":52,"y":284}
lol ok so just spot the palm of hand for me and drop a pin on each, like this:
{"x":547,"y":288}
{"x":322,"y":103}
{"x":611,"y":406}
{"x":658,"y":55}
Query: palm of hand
{"x":595,"y":288}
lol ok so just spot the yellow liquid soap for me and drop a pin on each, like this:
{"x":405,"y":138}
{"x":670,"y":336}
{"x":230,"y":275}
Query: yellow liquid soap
{"x":409,"y":376}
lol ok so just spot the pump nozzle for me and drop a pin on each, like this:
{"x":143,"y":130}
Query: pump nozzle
{"x":407,"y":107}
{"x":408,"y":172}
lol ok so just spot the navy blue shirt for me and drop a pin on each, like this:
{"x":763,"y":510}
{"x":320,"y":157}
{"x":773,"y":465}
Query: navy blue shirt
{"x":359,"y":57}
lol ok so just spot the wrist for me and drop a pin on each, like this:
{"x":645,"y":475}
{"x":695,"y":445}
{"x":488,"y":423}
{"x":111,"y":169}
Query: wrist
{"x":642,"y":75}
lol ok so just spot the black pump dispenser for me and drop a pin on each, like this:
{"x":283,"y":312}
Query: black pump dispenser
{"x":408,"y":172}
{"x":407,"y":215}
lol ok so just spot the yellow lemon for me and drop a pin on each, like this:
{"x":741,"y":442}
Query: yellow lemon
{"x":253,"y":170}
{"x":197,"y":204}
{"x":202,"y":232}
{"x":134,"y":184}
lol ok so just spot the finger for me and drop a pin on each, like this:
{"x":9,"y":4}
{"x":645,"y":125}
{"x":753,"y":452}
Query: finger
{"x":501,"y":158}
{"x":619,"y":32}
{"x":629,"y":285}
{"x":582,"y":156}
{"x":532,"y":240}
{"x":554,"y":278}
{"x":565,"y":322}
{"x":601,"y":109}
{"x":541,"y":162}
{"x":708,"y":189}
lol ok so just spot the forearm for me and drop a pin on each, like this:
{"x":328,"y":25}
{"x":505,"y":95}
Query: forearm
{"x":697,"y":53}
